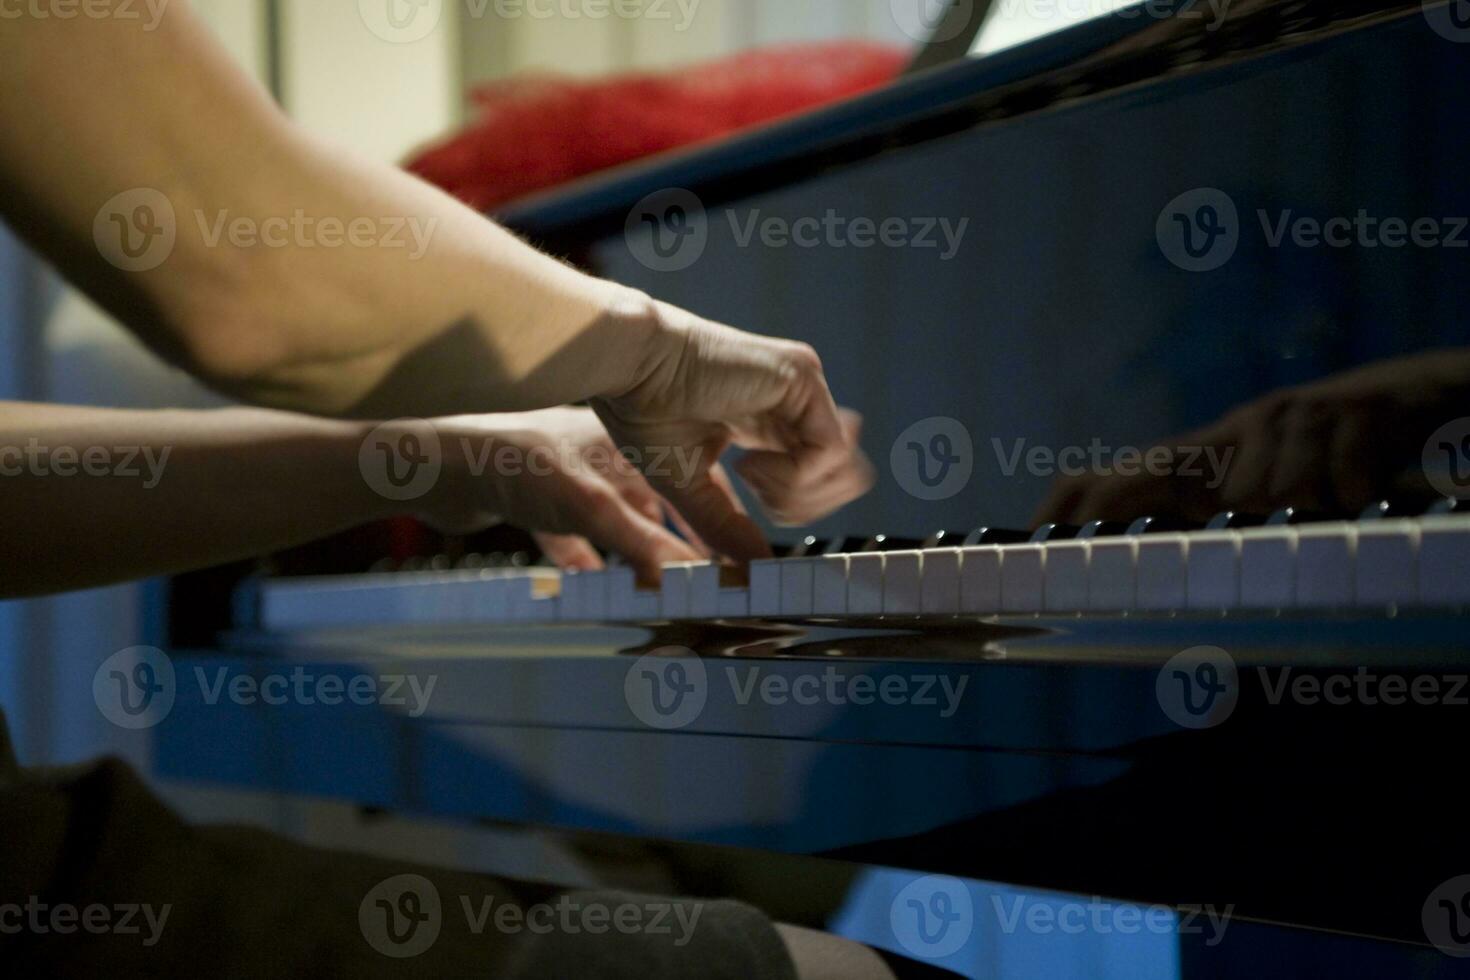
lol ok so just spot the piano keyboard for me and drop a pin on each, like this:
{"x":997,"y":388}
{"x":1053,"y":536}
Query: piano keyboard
{"x":1372,"y":564}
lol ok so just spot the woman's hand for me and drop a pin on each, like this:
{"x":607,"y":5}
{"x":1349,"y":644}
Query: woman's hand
{"x":1332,"y":446}
{"x":558,"y":474}
{"x":704,"y":387}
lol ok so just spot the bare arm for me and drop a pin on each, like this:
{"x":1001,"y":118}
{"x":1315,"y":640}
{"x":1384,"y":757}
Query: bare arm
{"x":92,"y":107}
{"x":95,"y":496}
{"x":457,"y":317}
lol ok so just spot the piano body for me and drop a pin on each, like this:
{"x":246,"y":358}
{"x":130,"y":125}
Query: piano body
{"x":1152,"y":715}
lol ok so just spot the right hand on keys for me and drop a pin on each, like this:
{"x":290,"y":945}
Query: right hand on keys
{"x":704,"y":387}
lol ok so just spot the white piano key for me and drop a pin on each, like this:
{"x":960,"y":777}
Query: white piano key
{"x":980,"y":580}
{"x":646,"y":606}
{"x":704,"y":591}
{"x":1111,"y":575}
{"x":1386,"y":570}
{"x":594,"y":596}
{"x":734,"y":603}
{"x":1162,"y":574}
{"x":865,"y":585}
{"x":570,"y":609}
{"x":1214,"y":570}
{"x":621,"y":587}
{"x":941,"y":582}
{"x":1325,"y":556}
{"x":796,"y":586}
{"x":765,"y":588}
{"x":1023,"y":578}
{"x":542,"y":610}
{"x":903,"y":578}
{"x":675,"y":602}
{"x":518,"y":595}
{"x":829,"y":585}
{"x":1444,"y":561}
{"x":1064,"y":587}
{"x":1268,"y":567}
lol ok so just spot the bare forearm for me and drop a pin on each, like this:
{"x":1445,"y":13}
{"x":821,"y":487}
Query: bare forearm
{"x":267,"y":291}
{"x":92,"y":497}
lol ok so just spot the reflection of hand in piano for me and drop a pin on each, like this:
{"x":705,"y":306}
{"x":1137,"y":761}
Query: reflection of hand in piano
{"x":1332,"y":446}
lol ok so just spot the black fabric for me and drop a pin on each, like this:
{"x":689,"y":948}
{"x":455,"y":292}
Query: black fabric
{"x":99,"y":878}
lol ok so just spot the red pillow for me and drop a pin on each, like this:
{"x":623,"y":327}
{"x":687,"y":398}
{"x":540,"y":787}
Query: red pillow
{"x":540,"y":131}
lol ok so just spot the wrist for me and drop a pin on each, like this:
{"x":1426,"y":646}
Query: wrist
{"x":636,"y":337}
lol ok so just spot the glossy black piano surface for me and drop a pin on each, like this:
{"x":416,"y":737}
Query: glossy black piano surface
{"x":1056,"y":755}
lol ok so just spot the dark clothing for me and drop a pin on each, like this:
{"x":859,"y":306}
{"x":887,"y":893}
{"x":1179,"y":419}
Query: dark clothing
{"x":99,"y":878}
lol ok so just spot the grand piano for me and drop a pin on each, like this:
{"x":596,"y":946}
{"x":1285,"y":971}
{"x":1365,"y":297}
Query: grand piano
{"x":1258,"y":723}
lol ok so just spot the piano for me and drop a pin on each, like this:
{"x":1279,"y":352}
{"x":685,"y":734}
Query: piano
{"x":1261,"y":713}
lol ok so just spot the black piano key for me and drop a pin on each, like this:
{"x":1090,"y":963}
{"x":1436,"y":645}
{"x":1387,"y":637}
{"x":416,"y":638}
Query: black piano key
{"x":882,"y":542}
{"x":995,"y":535}
{"x":1450,"y":505}
{"x":1292,"y":516}
{"x":1232,"y":520}
{"x":1055,"y":532}
{"x":945,"y":539}
{"x":1102,"y":529}
{"x":1159,"y":525}
{"x":1383,"y":509}
{"x":809,"y":547}
{"x":846,"y":546}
